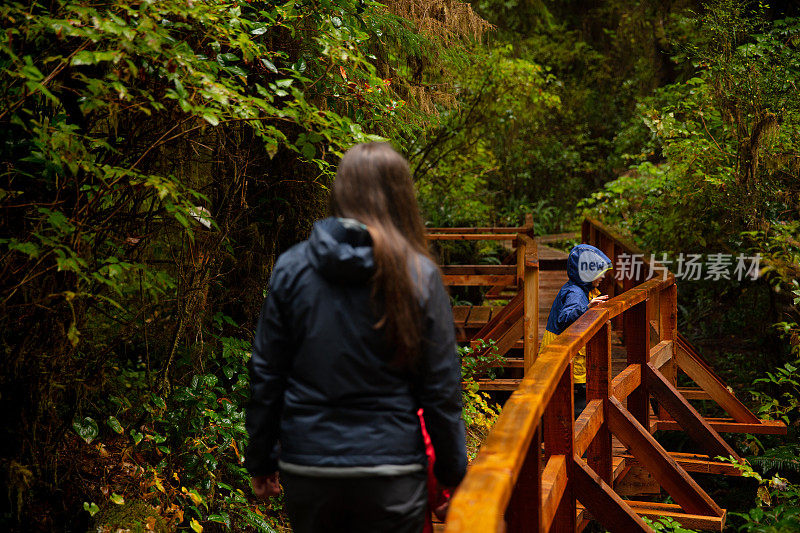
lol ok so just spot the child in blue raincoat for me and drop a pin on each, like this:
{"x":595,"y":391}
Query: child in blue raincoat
{"x":586,"y":266}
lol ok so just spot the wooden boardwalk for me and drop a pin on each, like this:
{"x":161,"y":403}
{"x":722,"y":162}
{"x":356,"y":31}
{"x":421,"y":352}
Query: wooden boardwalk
{"x":540,"y":468}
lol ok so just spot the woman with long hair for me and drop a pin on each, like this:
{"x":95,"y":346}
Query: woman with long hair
{"x":355,"y":335}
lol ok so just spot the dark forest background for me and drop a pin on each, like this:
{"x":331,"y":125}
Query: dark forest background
{"x":158,"y":156}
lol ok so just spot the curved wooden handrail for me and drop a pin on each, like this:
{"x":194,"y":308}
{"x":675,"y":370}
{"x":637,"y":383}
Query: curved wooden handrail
{"x":508,"y":484}
{"x":482,"y":500}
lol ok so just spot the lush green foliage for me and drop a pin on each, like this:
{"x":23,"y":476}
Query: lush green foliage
{"x":157,"y":156}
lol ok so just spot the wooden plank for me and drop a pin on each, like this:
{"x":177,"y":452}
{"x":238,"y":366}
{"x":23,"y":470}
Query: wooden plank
{"x":479,"y":229}
{"x":668,"y":314}
{"x":477,"y":270}
{"x":530,"y":288}
{"x":694,"y":393}
{"x":471,"y":236}
{"x":496,"y":291}
{"x":477,"y":280}
{"x":637,"y":344}
{"x":510,"y":337}
{"x":703,"y":464}
{"x":683,"y":489}
{"x":636,"y":481}
{"x":557,"y":426}
{"x":661,"y":353}
{"x":626,"y":381}
{"x":598,"y":388}
{"x":525,"y":508}
{"x":461,"y":314}
{"x":686,"y":415}
{"x":558,"y":237}
{"x":554,"y":483}
{"x":729,"y":425}
{"x":714,"y":386}
{"x":618,"y":465}
{"x":587,"y":426}
{"x":509,"y":384}
{"x":503,"y":319}
{"x":480,"y":502}
{"x":479,"y":316}
{"x":669,"y":510}
{"x":604,"y":504}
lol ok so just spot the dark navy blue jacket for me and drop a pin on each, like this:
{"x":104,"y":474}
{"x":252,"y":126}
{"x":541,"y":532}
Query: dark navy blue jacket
{"x":585,"y":264}
{"x":323,"y":383}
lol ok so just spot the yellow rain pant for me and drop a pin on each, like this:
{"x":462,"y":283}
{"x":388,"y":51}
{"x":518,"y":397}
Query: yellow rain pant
{"x":579,"y":361}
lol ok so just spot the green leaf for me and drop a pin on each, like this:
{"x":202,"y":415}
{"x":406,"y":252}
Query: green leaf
{"x":73,"y":335}
{"x":117,"y":499}
{"x":227,"y":58}
{"x":237,"y":71}
{"x":159,"y":402}
{"x":267,"y":63}
{"x":136,"y":436}
{"x":87,"y":429}
{"x":309,"y":151}
{"x":257,"y":521}
{"x":114,"y":424}
{"x":195,"y":525}
{"x":222,"y":518}
{"x":91,"y":508}
{"x":211,"y":119}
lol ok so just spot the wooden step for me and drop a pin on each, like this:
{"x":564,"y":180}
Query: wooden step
{"x":694,"y":393}
{"x":690,"y":521}
{"x":498,"y":384}
{"x":658,"y":510}
{"x":692,"y":462}
{"x":729,"y":425}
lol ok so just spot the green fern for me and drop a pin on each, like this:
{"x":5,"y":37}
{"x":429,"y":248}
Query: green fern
{"x":784,"y":459}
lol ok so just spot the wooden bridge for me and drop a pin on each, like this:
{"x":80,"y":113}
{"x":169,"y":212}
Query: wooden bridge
{"x":542,"y":470}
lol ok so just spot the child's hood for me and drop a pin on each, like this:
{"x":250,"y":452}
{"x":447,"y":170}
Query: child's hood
{"x":585,"y":264}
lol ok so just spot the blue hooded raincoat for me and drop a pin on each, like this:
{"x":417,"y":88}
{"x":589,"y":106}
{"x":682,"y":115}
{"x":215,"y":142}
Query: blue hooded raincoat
{"x":585,"y":264}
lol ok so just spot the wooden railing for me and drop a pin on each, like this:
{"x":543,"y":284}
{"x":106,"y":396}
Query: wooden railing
{"x":537,"y":461}
{"x":520,"y":272}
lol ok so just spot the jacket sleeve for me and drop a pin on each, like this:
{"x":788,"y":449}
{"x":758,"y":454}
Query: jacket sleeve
{"x":269,"y":368}
{"x":573,"y":307}
{"x":440,"y":389}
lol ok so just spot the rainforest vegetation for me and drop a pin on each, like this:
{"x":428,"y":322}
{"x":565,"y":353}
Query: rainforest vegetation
{"x":157,"y":156}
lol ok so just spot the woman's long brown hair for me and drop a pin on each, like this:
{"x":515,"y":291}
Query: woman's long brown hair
{"x":373,"y":185}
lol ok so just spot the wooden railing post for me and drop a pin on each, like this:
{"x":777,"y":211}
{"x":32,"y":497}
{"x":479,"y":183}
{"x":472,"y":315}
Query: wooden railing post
{"x":559,"y":432}
{"x":598,"y":387}
{"x":669,"y":328}
{"x":530,"y":286}
{"x":524,"y":509}
{"x":637,"y":343}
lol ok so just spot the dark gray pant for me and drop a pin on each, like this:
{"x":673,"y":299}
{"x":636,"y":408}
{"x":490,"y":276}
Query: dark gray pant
{"x":395,"y":504}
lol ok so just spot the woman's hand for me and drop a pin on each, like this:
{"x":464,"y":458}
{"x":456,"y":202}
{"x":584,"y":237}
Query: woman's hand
{"x":266,"y":486}
{"x":596,"y":301}
{"x":443,"y":497}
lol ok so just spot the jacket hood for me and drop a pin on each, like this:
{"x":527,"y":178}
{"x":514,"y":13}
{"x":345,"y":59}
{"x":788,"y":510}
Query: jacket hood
{"x":585,"y":264}
{"x":340,"y":249}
